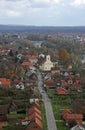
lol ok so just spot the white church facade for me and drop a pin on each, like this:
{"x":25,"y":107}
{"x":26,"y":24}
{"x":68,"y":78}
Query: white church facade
{"x":47,"y":65}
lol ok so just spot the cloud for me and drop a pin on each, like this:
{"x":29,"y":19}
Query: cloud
{"x":15,"y":8}
{"x":78,"y":3}
{"x":11,"y":13}
{"x":42,"y":12}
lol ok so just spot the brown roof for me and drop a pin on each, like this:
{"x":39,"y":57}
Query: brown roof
{"x":3,"y":124}
{"x":64,"y":83}
{"x":65,"y":111}
{"x":77,"y":117}
{"x":50,"y":82}
{"x":55,"y":68}
{"x":32,"y":116}
{"x":27,"y":64}
{"x":36,"y":104}
{"x":34,"y":109}
{"x":32,"y":57}
{"x":61,"y":90}
{"x":38,"y":122}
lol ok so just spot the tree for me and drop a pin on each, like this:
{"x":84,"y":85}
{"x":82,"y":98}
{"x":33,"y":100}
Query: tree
{"x":11,"y":53}
{"x":78,"y":106}
{"x":64,"y":56}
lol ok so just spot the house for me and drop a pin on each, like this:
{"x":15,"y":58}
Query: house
{"x":3,"y":113}
{"x":41,"y":55}
{"x":49,"y":83}
{"x":36,"y":124}
{"x":66,"y":111}
{"x":64,"y":84}
{"x":32,"y":100}
{"x":32,"y":58}
{"x":34,"y":115}
{"x":55,"y":70}
{"x":33,"y":109}
{"x":76,"y":117}
{"x":47,"y":65}
{"x":20,"y":86}
{"x":36,"y":104}
{"x":64,"y":72}
{"x":33,"y":76}
{"x":4,"y":82}
{"x":26,"y":64}
{"x":47,"y":76}
{"x":69,"y":117}
{"x":19,"y":56}
{"x":77,"y":127}
{"x":61,"y":90}
{"x":33,"y":119}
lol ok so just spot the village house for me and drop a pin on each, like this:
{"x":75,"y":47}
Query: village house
{"x":20,"y":86}
{"x":55,"y":70}
{"x":5,"y":83}
{"x":26,"y":64}
{"x":77,"y":127}
{"x":70,"y":117}
{"x":32,"y":58}
{"x":49,"y":84}
{"x":33,"y":119}
{"x":41,"y":55}
{"x":61,"y":90}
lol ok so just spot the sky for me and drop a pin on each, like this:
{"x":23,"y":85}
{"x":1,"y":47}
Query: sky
{"x":43,"y":12}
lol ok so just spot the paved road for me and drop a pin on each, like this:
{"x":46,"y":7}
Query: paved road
{"x":48,"y":108}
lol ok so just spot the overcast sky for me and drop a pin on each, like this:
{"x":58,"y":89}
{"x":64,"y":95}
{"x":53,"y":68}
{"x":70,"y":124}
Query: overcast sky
{"x":43,"y":12}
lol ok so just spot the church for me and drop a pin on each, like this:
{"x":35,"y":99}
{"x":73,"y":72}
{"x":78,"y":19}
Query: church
{"x":47,"y":64}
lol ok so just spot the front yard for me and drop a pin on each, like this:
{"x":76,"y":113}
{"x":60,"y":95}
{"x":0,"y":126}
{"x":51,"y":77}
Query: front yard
{"x":59,"y":103}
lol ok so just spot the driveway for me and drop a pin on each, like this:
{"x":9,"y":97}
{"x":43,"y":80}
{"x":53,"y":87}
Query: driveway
{"x":48,"y":108}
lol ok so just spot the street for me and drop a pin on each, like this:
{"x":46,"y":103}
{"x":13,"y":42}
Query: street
{"x":48,"y":108}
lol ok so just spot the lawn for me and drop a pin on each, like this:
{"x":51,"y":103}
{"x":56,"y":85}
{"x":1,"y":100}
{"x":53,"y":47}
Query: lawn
{"x":15,"y":115}
{"x":12,"y":127}
{"x":44,"y":121}
{"x":61,"y":126}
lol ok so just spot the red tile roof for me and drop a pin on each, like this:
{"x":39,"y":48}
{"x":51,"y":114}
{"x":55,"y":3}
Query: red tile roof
{"x":27,"y":64}
{"x":34,"y":109}
{"x":5,"y":82}
{"x":69,"y":116}
{"x":39,"y":123}
{"x":77,"y":117}
{"x":64,"y":83}
{"x":31,"y":57}
{"x":36,"y":104}
{"x":77,"y":81}
{"x":33,"y":115}
{"x":61,"y":90}
{"x":66,"y":111}
{"x":3,"y":124}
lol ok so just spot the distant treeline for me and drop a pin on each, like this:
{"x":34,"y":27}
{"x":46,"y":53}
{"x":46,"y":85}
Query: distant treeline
{"x":42,"y":29}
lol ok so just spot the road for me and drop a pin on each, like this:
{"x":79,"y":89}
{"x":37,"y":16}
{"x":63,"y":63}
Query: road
{"x":48,"y":108}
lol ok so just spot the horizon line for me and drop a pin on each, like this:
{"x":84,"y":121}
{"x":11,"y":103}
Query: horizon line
{"x":42,"y":25}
